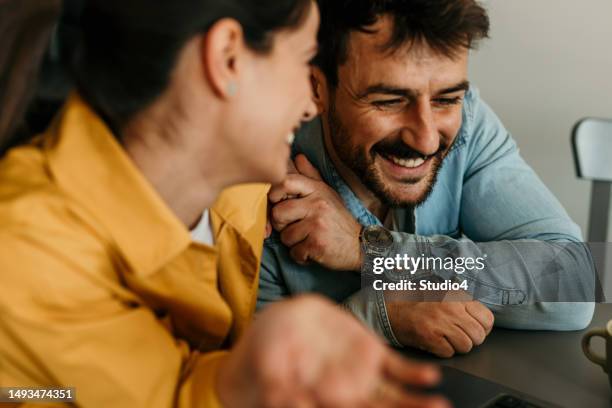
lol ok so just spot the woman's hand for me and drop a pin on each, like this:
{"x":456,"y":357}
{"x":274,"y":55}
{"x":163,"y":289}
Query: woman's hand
{"x":306,"y":352}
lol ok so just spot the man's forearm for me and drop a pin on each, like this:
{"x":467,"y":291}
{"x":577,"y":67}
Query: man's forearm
{"x":519,"y":272}
{"x":501,"y":272}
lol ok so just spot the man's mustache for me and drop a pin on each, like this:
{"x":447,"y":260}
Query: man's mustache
{"x":401,"y":150}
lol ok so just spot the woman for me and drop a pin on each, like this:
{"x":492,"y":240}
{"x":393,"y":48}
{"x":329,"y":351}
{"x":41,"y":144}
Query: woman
{"x":104,"y":287}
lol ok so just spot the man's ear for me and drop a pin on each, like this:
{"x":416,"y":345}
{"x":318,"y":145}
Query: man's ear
{"x":222,"y":54}
{"x":320,"y":90}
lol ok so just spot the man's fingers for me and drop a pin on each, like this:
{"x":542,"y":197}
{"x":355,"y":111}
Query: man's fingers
{"x":310,"y":249}
{"x":482,"y":314}
{"x":306,"y":168}
{"x":287,"y":212}
{"x":291,"y":169}
{"x":474,"y":330}
{"x":404,"y":371}
{"x":460,"y":341}
{"x":294,"y":185}
{"x":294,"y":233}
{"x":441,"y":348}
{"x":300,"y":253}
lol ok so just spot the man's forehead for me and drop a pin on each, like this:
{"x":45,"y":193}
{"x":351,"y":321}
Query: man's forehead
{"x":369,"y":60}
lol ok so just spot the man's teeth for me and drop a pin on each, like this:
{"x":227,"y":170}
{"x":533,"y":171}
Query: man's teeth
{"x":290,"y":138}
{"x":409,"y":163}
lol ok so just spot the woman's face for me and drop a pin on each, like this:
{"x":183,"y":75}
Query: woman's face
{"x":274,"y":97}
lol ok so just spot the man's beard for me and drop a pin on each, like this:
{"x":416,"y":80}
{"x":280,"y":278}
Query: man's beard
{"x":363,"y":165}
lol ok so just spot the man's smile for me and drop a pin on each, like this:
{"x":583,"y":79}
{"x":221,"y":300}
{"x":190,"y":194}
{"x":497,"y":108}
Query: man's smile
{"x":406,"y":170}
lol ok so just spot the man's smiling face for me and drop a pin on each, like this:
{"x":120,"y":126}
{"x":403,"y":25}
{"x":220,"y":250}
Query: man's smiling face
{"x":395,"y":114}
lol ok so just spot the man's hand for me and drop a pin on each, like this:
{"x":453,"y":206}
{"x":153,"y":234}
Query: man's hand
{"x":313,"y":221}
{"x":442,"y":328}
{"x":306,"y":352}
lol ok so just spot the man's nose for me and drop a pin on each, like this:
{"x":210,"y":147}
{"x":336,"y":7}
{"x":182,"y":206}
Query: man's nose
{"x":420,"y":131}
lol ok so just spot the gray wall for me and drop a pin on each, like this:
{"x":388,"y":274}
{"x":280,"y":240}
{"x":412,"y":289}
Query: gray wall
{"x":547,"y":64}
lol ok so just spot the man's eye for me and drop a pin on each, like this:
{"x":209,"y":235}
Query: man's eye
{"x":387,"y":103}
{"x":448,"y":101}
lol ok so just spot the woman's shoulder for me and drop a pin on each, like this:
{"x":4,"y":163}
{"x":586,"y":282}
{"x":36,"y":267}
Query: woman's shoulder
{"x":32,"y":204}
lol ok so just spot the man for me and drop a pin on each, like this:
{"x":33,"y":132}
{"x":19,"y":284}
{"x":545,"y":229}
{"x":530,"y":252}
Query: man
{"x":405,"y":142}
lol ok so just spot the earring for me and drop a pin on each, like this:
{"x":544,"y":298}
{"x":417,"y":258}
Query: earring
{"x":232,"y":88}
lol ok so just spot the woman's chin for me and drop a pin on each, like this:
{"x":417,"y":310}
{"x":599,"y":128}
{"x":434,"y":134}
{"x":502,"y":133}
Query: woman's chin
{"x":279,"y":176}
{"x":273,"y":170}
{"x":269,"y":175}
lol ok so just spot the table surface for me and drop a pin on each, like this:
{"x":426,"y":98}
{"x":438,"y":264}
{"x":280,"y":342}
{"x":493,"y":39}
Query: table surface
{"x":548,"y":365}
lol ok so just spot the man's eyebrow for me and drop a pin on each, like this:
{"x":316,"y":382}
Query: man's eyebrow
{"x":462,"y":86}
{"x":387,"y":90}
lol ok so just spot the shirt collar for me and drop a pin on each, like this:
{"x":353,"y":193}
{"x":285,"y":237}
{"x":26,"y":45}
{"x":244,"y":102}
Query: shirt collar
{"x":91,"y":167}
{"x":309,"y":142}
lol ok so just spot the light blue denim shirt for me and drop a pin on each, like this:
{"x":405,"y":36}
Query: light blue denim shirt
{"x":486,"y":199}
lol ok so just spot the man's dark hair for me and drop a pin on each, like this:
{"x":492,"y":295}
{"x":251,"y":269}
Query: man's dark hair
{"x":444,"y":25}
{"x":129,"y":47}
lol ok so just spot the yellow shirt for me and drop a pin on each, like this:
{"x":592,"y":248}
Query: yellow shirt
{"x":101,"y":286}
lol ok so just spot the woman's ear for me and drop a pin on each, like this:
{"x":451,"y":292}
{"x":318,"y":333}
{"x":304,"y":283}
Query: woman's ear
{"x":320,"y":90}
{"x":222,"y":51}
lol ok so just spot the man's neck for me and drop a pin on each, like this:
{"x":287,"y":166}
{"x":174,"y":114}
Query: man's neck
{"x":367,"y":198}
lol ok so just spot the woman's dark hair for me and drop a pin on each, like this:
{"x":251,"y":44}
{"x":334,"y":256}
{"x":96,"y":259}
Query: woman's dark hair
{"x":129,"y":47}
{"x":444,"y":25}
{"x":26,"y":27}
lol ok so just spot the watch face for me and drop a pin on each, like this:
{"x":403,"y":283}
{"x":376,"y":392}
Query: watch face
{"x":377,"y":236}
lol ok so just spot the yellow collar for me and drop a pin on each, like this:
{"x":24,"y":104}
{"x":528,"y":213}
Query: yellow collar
{"x":90,"y":166}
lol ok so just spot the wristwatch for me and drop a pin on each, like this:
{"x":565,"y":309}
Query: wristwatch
{"x":375,"y":240}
